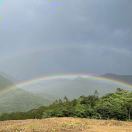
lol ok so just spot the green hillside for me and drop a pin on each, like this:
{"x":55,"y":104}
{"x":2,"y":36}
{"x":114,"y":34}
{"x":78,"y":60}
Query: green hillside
{"x":116,"y":105}
{"x":20,"y":100}
{"x":5,"y":83}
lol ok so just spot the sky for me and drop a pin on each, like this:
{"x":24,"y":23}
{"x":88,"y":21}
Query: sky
{"x":40,"y":37}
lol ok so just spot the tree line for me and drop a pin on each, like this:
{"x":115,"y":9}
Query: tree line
{"x":116,"y":106}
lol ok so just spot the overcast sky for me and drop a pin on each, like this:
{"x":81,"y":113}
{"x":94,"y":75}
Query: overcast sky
{"x":38,"y":37}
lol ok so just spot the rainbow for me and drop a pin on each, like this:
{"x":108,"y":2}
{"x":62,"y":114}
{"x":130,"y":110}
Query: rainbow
{"x":66,"y":76}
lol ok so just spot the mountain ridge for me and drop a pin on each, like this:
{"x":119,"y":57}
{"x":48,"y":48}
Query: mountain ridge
{"x":123,"y":78}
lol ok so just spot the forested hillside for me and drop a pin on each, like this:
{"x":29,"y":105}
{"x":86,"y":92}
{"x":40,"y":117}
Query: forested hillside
{"x":116,"y":105}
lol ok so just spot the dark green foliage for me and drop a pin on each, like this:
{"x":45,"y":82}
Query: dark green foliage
{"x":116,"y":105}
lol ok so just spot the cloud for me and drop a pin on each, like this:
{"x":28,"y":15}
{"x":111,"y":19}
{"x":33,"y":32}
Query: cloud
{"x":83,"y":35}
{"x":36,"y":22}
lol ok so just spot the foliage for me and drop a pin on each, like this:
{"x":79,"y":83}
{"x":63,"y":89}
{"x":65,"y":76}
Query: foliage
{"x":116,"y":105}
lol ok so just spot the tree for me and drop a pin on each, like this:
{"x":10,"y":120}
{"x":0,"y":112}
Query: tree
{"x":128,"y":106}
{"x":66,"y":99}
{"x":96,"y":93}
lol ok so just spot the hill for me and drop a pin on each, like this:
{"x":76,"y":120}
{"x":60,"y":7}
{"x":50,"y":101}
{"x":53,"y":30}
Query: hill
{"x":122,"y":78}
{"x":65,"y":125}
{"x":33,"y":96}
{"x":116,"y":105}
{"x":73,"y":88}
{"x":5,"y":83}
{"x":20,"y":100}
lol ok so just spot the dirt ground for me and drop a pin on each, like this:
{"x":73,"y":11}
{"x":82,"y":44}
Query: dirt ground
{"x":65,"y":125}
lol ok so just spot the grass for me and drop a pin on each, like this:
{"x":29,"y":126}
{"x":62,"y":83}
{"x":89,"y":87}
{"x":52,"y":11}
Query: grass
{"x":65,"y":125}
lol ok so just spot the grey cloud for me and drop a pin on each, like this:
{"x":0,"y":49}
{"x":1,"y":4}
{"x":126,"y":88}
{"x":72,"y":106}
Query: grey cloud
{"x":96,"y":36}
{"x":70,"y":60}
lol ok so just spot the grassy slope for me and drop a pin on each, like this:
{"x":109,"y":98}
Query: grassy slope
{"x":17,"y":99}
{"x":20,"y":100}
{"x":65,"y":125}
{"x":5,"y":83}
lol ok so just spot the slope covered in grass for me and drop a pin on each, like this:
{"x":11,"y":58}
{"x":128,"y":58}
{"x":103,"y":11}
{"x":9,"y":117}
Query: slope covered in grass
{"x":20,"y":100}
{"x":5,"y":83}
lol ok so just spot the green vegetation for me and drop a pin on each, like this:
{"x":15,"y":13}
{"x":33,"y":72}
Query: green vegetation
{"x":116,"y":105}
{"x":5,"y":83}
{"x":20,"y":100}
